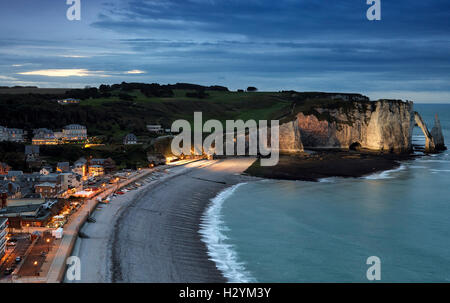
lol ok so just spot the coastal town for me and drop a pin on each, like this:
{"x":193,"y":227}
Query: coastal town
{"x":37,"y":206}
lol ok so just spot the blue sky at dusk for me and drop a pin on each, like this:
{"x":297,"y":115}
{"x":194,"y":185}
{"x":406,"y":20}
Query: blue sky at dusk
{"x":304,"y":45}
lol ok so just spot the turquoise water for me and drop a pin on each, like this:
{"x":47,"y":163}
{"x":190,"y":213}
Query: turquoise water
{"x":284,"y":231}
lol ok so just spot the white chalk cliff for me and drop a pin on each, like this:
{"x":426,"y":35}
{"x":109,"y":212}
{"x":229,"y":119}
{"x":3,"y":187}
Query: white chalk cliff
{"x":384,"y":125}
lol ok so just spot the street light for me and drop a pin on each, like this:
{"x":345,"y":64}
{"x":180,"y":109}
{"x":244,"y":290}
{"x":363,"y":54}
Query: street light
{"x":48,"y":242}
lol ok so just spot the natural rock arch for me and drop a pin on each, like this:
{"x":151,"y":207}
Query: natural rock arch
{"x":434,"y":141}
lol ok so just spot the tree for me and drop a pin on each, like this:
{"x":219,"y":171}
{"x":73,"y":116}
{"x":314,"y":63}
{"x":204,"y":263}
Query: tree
{"x":252,"y":89}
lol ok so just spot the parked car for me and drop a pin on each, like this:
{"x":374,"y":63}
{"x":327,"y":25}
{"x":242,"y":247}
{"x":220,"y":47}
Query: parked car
{"x":18,"y":259}
{"x":8,"y":271}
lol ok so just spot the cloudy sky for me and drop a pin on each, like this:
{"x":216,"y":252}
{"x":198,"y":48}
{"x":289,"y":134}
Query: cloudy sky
{"x":303,"y":45}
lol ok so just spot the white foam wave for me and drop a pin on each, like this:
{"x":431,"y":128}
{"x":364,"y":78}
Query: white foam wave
{"x":223,"y":254}
{"x":328,"y":180}
{"x":387,"y":174}
{"x":432,"y":161}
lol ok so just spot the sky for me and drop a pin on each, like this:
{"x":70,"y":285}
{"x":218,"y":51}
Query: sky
{"x":303,"y":45}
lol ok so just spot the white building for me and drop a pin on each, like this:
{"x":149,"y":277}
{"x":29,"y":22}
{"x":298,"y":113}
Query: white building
{"x":80,"y":167}
{"x":3,"y":133}
{"x":74,"y":132}
{"x":3,"y":233}
{"x":71,"y":180}
{"x":15,"y":135}
{"x":130,"y":139}
{"x":11,"y":134}
{"x":154,"y":128}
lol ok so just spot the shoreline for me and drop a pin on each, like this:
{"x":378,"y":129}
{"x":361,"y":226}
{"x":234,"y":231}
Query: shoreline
{"x":152,"y":234}
{"x":328,"y":164}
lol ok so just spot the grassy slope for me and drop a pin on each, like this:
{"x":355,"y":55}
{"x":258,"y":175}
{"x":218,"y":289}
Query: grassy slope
{"x":218,"y":105}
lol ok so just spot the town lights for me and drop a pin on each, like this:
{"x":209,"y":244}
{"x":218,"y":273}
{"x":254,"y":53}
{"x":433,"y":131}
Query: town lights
{"x":35,"y":263}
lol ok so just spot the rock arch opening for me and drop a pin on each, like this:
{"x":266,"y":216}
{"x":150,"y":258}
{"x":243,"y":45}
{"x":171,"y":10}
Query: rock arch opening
{"x":434,"y":140}
{"x":355,"y":146}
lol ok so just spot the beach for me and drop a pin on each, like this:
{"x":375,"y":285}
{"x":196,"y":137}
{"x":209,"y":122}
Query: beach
{"x":152,"y":234}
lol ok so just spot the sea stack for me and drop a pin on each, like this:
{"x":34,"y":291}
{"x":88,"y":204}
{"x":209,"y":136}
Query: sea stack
{"x":438,"y":137}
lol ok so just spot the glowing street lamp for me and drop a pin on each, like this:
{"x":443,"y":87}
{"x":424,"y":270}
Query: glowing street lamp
{"x":48,"y":243}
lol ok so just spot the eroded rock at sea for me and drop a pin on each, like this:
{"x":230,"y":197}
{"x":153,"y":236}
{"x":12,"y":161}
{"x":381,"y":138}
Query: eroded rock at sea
{"x":438,"y":137}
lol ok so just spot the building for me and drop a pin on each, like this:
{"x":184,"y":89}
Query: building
{"x":4,"y":168}
{"x":11,"y":189}
{"x":96,"y":170}
{"x":15,"y":135}
{"x":74,"y":132}
{"x":108,"y":164}
{"x":44,"y":136}
{"x":46,"y":170}
{"x":130,"y":139}
{"x":68,"y":101}
{"x":11,"y":134}
{"x":3,"y":233}
{"x":154,"y":128}
{"x":80,"y":167}
{"x":32,"y":153}
{"x":47,"y":189}
{"x":13,"y":175}
{"x":71,"y":181}
{"x":63,"y":167}
{"x":33,"y":212}
{"x":3,"y":134}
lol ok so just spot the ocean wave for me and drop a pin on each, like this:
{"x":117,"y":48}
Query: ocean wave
{"x":384,"y":174}
{"x":432,"y":161}
{"x":223,"y":254}
{"x":328,"y":180}
{"x":440,"y":170}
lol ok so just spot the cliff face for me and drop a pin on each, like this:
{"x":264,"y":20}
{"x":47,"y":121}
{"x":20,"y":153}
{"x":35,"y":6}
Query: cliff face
{"x":290,"y":138}
{"x":380,"y":126}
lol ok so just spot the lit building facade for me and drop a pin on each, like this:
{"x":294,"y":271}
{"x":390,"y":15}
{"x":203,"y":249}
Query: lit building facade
{"x":74,"y":132}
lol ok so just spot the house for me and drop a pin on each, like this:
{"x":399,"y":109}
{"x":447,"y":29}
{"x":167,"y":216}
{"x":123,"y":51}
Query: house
{"x":15,"y":135}
{"x":154,"y":128}
{"x":4,"y":168}
{"x":14,"y":174}
{"x":47,"y":189}
{"x":68,"y":101}
{"x":130,"y":139}
{"x":32,"y":212}
{"x":71,"y":181}
{"x":3,"y":134}
{"x":107,"y":164}
{"x":46,"y":170}
{"x":80,"y":167}
{"x":32,"y":153}
{"x":44,"y":136}
{"x":74,"y":132}
{"x":3,"y":233}
{"x":96,"y":170}
{"x":63,"y":167}
{"x":11,"y":189}
{"x":11,"y":134}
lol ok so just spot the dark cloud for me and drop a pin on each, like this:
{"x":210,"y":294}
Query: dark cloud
{"x":284,"y":44}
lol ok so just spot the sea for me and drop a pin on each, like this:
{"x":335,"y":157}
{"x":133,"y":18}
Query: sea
{"x":295,"y":231}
